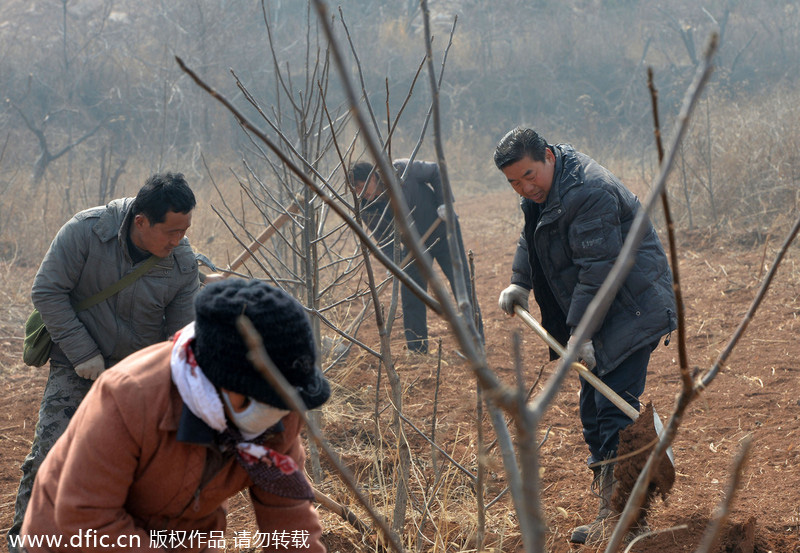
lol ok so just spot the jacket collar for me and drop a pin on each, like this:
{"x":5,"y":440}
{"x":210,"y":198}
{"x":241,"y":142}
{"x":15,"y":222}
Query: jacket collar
{"x":114,"y":219}
{"x":569,"y":171}
{"x":192,"y":429}
{"x":566,"y":174}
{"x":551,"y":208}
{"x":115,"y":222}
{"x":172,"y":414}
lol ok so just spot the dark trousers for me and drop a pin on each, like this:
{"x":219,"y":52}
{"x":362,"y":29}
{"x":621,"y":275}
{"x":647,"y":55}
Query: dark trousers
{"x":601,"y":419}
{"x":415,"y":317}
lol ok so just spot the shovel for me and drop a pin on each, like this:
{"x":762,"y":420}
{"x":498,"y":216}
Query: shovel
{"x":279,"y":221}
{"x":590,"y":377}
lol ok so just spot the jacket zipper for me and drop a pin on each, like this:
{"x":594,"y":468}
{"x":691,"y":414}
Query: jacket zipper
{"x":208,"y":475}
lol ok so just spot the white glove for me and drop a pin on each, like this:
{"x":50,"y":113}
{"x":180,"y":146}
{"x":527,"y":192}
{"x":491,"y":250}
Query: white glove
{"x":441,"y":212}
{"x":513,"y":295}
{"x":92,"y":368}
{"x":585,"y":352}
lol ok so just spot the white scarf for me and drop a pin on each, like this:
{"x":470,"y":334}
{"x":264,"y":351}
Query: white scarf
{"x":196,"y":390}
{"x":275,"y":472}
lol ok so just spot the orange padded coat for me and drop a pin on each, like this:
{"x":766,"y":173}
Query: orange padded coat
{"x":119,"y":479}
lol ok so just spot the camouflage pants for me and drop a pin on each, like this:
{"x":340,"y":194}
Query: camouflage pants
{"x":62,"y":394}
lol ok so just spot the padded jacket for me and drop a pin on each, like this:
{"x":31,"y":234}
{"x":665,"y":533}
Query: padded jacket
{"x":567,"y":248}
{"x":120,"y":471}
{"x":423,"y":192}
{"x":90,"y":253}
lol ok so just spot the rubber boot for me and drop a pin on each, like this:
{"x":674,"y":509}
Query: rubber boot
{"x":602,"y":526}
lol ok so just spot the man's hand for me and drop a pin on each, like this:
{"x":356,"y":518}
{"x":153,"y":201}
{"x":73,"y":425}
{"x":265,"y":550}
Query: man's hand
{"x":585,"y":352}
{"x":514,"y":295}
{"x":92,"y":368}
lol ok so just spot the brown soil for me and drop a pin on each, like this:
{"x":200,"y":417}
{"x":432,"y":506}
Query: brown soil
{"x":635,"y":444}
{"x":755,"y":394}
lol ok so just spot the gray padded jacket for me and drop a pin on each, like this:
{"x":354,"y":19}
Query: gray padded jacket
{"x":90,"y":253}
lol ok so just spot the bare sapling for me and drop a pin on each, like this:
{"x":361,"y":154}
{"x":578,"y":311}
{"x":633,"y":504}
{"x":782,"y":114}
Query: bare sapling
{"x":322,"y":193}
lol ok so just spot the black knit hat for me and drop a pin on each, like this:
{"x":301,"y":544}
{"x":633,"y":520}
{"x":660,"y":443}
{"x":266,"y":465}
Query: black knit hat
{"x":284,"y":327}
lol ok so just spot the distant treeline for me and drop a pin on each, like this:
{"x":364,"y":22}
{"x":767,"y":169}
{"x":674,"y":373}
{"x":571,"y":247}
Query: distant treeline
{"x":91,"y":85}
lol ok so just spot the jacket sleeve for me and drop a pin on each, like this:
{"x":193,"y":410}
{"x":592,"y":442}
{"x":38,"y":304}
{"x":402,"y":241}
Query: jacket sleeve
{"x":100,"y":465}
{"x":56,"y":278}
{"x":521,"y":272}
{"x":521,"y":267}
{"x":595,"y":240}
{"x":180,"y":311}
{"x":428,"y":172}
{"x":296,"y":517}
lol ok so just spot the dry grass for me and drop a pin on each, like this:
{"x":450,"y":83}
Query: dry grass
{"x":726,"y":282}
{"x":442,"y":510}
{"x":442,"y":517}
{"x":739,"y":168}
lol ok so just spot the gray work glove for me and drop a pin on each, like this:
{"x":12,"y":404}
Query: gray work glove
{"x":585,"y":352}
{"x":92,"y":368}
{"x":513,"y":295}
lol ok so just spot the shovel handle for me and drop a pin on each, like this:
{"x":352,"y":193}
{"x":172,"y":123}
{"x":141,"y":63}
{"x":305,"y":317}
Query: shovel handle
{"x":587,"y":375}
{"x":294,"y":209}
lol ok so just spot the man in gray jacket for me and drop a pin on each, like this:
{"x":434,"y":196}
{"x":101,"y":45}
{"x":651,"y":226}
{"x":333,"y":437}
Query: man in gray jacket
{"x":577,"y":216}
{"x":91,"y":252}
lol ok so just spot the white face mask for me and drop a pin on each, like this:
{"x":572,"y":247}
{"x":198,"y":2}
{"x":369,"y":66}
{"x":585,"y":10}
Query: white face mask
{"x":255,"y":419}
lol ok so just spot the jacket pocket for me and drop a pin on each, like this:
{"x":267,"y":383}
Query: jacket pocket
{"x":588,"y":238}
{"x":627,"y":300}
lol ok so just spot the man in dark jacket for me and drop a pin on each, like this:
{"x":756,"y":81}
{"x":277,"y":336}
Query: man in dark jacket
{"x":91,"y":252}
{"x":422,"y":188}
{"x":577,"y":216}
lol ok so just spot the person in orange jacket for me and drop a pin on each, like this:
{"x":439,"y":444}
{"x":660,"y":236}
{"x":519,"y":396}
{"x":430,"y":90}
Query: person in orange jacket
{"x":166,"y":436}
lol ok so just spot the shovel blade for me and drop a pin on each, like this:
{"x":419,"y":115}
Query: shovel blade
{"x":660,"y":430}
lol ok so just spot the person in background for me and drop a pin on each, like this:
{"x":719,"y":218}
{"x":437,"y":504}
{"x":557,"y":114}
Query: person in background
{"x":170,"y":433}
{"x":577,"y":216}
{"x":423,"y":192}
{"x":91,"y":252}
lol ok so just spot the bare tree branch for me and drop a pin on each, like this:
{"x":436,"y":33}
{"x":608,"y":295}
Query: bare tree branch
{"x":721,"y":513}
{"x":260,"y":359}
{"x":599,"y":305}
{"x":357,"y":229}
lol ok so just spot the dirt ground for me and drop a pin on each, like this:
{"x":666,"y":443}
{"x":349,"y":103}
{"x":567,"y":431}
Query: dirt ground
{"x":755,"y":395}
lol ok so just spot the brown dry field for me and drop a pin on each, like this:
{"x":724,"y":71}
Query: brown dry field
{"x":755,"y":395}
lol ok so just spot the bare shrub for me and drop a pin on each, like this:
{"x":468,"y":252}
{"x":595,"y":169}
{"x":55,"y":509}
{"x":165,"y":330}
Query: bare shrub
{"x":741,"y":163}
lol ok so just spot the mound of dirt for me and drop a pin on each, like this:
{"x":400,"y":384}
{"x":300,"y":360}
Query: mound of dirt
{"x":635,"y":444}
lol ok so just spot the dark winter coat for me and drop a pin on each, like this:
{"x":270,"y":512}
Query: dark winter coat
{"x":422,"y":189}
{"x":567,"y":248}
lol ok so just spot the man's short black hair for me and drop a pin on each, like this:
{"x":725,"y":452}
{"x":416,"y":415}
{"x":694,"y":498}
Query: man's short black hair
{"x":161,"y":193}
{"x":360,"y":171}
{"x":518,"y":143}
